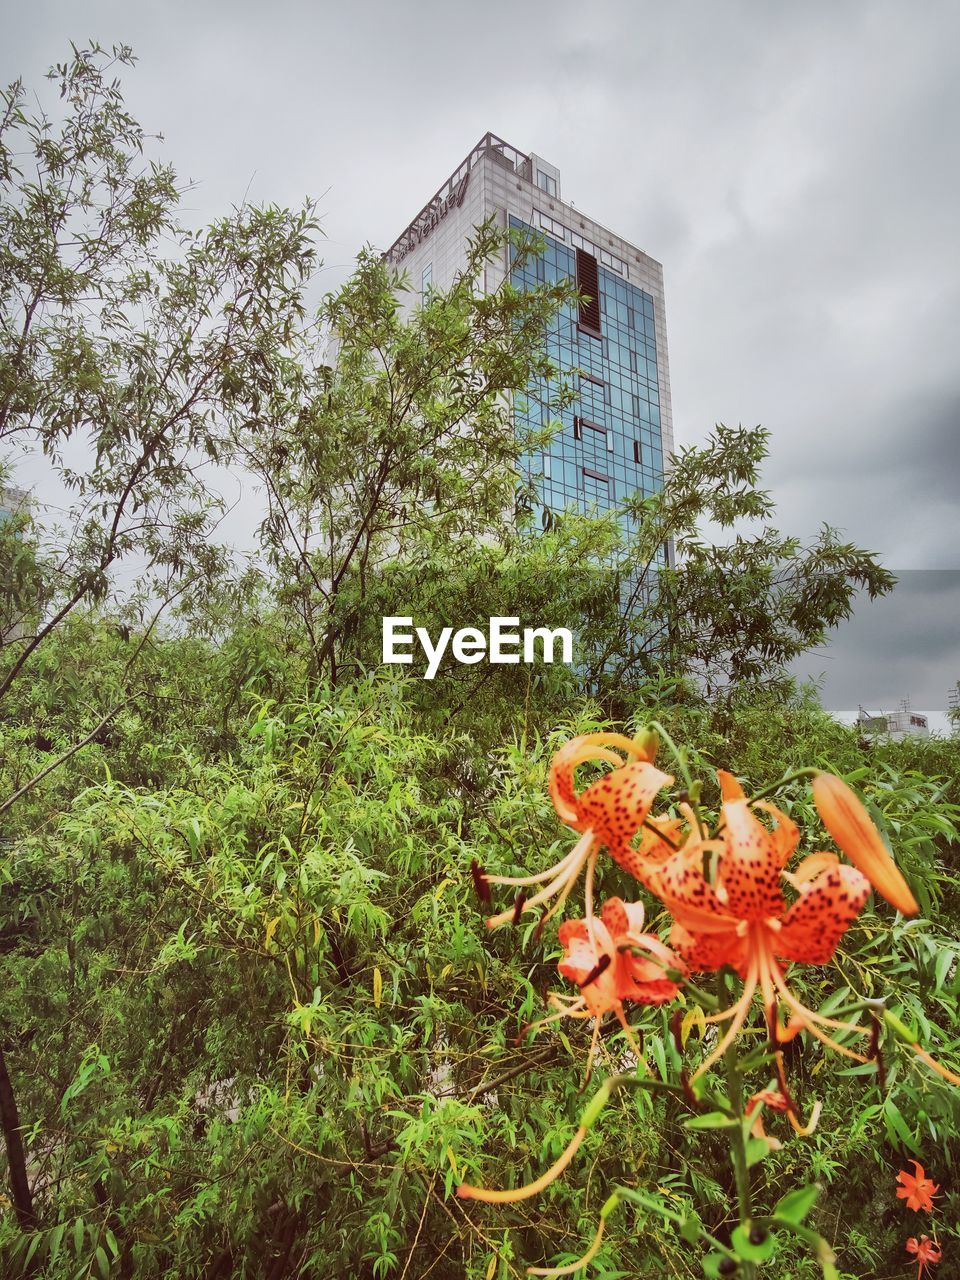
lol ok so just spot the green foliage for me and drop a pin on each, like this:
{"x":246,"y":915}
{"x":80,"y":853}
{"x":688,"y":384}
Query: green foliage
{"x":254,"y":1023}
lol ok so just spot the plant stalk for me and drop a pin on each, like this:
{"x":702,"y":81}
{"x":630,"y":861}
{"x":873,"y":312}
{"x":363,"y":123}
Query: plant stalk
{"x":739,"y":1147}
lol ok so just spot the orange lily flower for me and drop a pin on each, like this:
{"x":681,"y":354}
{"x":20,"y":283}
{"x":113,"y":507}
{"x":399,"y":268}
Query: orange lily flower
{"x":917,"y":1189}
{"x":610,"y":811}
{"x":852,"y":830}
{"x":927,"y":1252}
{"x":602,"y":960}
{"x":742,"y":919}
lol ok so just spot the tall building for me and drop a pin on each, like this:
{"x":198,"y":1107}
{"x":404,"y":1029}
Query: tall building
{"x":617,"y":434}
{"x":13,"y":502}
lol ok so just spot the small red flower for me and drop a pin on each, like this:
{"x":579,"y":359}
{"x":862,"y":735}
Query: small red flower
{"x":927,"y":1252}
{"x":917,"y":1189}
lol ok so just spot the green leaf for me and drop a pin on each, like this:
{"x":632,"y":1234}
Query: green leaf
{"x":897,"y":1128}
{"x":745,"y":1248}
{"x":712,"y":1120}
{"x":54,"y":1240}
{"x":690,"y":1228}
{"x":795,"y":1205}
{"x":711,"y":1266}
{"x":756,"y":1150}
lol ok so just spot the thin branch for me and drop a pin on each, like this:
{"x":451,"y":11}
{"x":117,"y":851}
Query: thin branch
{"x":71,"y":751}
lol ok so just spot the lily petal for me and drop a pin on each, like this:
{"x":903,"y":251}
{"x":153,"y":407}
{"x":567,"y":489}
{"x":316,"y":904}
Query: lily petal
{"x":852,"y":829}
{"x":809,"y":868}
{"x":563,"y":767}
{"x":753,"y":859}
{"x":615,"y":806}
{"x":821,"y":915}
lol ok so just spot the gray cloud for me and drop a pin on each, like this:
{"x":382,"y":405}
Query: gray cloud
{"x":906,"y":645}
{"x":795,"y":168}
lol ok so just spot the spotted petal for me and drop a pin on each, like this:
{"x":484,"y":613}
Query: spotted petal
{"x":822,"y":914}
{"x":615,"y":806}
{"x":580,"y":961}
{"x":707,"y":952}
{"x":563,"y":768}
{"x":753,"y":857}
{"x":622,"y":917}
{"x":684,"y":889}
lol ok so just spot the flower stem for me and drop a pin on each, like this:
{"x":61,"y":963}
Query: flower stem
{"x":738,"y":1146}
{"x":783,"y":782}
{"x":681,"y":759}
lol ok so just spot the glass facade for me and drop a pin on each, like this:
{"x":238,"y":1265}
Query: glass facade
{"x":610,"y":446}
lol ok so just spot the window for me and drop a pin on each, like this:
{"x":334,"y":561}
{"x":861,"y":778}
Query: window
{"x":426,"y":279}
{"x":546,"y":183}
{"x":614,"y":263}
{"x":637,"y":453}
{"x":577,"y":427}
{"x":551,"y":225}
{"x":588,"y":285}
{"x":596,"y":486}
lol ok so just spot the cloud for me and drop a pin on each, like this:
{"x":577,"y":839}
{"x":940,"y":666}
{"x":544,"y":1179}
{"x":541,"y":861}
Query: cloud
{"x":795,"y":168}
{"x":906,"y":645}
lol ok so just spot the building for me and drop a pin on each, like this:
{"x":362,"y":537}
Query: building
{"x":617,"y":436}
{"x":13,"y":503}
{"x":897,"y":725}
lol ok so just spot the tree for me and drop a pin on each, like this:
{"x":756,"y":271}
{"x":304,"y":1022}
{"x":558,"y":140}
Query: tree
{"x":111,"y":349}
{"x":116,"y":353}
{"x":727,"y":614}
{"x":403,"y":441}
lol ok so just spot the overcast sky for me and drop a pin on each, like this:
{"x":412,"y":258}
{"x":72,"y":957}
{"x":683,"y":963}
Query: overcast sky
{"x":796,"y":168}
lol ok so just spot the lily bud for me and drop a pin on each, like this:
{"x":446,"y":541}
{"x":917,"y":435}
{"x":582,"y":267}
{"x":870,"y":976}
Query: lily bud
{"x":850,"y":826}
{"x":647,"y":744}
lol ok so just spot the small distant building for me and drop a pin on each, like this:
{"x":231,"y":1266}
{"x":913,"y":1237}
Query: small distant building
{"x":905,"y":723}
{"x":13,"y":502}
